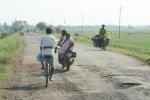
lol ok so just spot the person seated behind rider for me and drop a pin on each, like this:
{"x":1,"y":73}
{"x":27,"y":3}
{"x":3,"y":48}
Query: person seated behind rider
{"x":95,"y":37}
{"x":47,"y":45}
{"x":67,"y":44}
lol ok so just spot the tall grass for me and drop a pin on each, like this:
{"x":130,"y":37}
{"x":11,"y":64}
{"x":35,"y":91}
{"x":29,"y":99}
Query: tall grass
{"x":133,"y":44}
{"x":8,"y":47}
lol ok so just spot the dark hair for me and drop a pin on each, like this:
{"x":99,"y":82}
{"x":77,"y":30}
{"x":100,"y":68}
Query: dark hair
{"x":64,"y":32}
{"x":48,"y":30}
{"x":103,"y":25}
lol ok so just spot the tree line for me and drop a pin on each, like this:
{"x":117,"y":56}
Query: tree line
{"x":24,"y":26}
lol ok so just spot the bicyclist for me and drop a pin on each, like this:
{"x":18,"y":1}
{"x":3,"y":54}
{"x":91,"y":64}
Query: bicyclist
{"x":47,"y":45}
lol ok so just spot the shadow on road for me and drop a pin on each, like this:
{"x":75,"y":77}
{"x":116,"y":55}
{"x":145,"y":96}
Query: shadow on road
{"x":93,"y":50}
{"x":56,"y":71}
{"x":59,"y":71}
{"x":25,"y":87}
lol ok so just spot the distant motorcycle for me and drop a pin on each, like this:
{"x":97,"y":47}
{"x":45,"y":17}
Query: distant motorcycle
{"x":100,"y":42}
{"x":68,"y":59}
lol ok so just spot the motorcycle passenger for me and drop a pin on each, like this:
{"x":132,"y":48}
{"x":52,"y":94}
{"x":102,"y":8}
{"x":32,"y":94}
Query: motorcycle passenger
{"x":66,"y":45}
{"x":47,"y":45}
{"x":95,"y":39}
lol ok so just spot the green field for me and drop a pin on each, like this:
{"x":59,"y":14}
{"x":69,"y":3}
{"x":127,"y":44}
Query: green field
{"x":8,"y":48}
{"x":134,"y":44}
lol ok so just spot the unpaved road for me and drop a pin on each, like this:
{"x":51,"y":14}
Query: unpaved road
{"x":95,"y":75}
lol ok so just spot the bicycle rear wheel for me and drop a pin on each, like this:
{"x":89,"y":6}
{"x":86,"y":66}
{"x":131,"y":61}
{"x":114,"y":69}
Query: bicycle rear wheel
{"x":68,"y":65}
{"x":47,"y":75}
{"x":50,"y":73}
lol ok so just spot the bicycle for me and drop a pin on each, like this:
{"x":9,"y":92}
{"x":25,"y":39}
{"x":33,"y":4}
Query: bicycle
{"x":47,"y":68}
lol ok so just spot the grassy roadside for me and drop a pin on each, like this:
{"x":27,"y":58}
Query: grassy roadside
{"x":139,"y":55}
{"x":9,"y":46}
{"x":138,"y":47}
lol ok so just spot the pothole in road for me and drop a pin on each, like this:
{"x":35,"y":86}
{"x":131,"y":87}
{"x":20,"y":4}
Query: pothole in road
{"x":127,"y":85}
{"x":65,"y":86}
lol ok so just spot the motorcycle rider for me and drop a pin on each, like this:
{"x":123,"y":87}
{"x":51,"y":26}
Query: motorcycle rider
{"x":67,"y":44}
{"x":102,"y":31}
{"x":102,"y":34}
{"x":61,"y":40}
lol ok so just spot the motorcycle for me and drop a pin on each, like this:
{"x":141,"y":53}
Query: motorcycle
{"x":100,"y":42}
{"x":68,"y":59}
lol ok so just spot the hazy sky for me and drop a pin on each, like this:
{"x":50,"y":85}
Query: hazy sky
{"x":95,"y":12}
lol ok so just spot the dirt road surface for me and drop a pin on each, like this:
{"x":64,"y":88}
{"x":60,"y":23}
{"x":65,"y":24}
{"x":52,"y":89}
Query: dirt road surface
{"x":95,"y":75}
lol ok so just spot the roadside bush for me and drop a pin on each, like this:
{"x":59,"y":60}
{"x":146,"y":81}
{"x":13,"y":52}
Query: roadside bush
{"x":8,"y":47}
{"x":3,"y":35}
{"x":4,"y":57}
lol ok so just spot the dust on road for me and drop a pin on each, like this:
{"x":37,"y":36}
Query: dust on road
{"x":95,"y":75}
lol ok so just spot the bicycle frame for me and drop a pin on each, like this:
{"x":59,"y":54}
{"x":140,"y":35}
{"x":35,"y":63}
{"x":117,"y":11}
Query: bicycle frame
{"x":47,"y":70}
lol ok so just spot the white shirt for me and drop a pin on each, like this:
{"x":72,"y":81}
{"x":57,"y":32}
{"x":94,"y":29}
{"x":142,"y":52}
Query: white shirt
{"x":48,"y":40}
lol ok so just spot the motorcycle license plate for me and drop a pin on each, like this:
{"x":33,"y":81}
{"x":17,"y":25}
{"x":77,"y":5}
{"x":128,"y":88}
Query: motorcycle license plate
{"x":69,"y":54}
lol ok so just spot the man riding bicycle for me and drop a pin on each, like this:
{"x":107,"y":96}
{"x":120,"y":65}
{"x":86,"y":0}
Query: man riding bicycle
{"x":47,"y":45}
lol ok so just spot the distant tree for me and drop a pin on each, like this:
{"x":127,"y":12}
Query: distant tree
{"x":52,"y":27}
{"x":5,"y":27}
{"x":58,"y":29}
{"x":130,"y":26}
{"x":18,"y":25}
{"x":76,"y":34}
{"x":41,"y":26}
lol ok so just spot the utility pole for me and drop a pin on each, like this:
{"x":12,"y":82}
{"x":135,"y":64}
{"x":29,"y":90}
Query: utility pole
{"x":119,"y":20}
{"x":64,"y":23}
{"x":82,"y":25}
